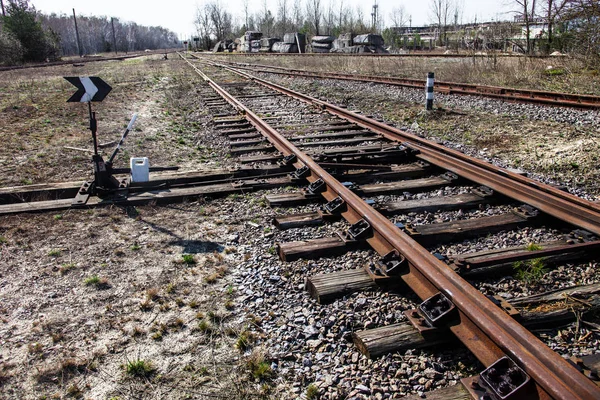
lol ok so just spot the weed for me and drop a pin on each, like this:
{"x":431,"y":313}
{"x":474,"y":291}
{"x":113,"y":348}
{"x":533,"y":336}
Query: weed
{"x":135,"y":247}
{"x":170,"y":288}
{"x":152,"y":294}
{"x":272,"y":250}
{"x":312,"y":391}
{"x":230,"y":290}
{"x":35,"y":348}
{"x":188,"y":259}
{"x":554,"y":72}
{"x":533,"y":247}
{"x":203,"y":371}
{"x":530,"y":271}
{"x":218,"y":274}
{"x":230,"y":250}
{"x":139,"y":368}
{"x":229,"y":305}
{"x":54,"y":253}
{"x":178,"y":324}
{"x":66,"y":268}
{"x":179,"y":301}
{"x":146,"y":305}
{"x":259,"y":368}
{"x":3,"y":240}
{"x":58,"y":217}
{"x":245,"y":340}
{"x":193,"y":304}
{"x":205,"y":326}
{"x":95,"y":280}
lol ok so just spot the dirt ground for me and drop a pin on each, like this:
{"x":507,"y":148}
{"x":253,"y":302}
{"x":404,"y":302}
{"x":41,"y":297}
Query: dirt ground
{"x":117,"y":303}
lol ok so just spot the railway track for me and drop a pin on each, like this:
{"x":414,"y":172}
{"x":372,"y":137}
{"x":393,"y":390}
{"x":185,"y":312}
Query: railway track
{"x":503,"y":93}
{"x":403,"y":197}
{"x":320,"y":140}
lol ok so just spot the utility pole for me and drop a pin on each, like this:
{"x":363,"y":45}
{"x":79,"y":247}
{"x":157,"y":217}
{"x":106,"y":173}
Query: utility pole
{"x":77,"y":34}
{"x":112,"y":22}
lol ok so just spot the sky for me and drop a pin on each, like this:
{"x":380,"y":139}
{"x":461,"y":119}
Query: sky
{"x":178,"y":15}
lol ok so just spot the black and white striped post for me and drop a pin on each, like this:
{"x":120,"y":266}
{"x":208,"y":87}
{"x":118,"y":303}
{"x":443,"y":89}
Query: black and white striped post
{"x":429,"y":91}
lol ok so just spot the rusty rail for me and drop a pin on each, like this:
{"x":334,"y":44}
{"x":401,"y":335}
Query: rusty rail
{"x":562,"y":205}
{"x":483,"y":327}
{"x":504,"y":93}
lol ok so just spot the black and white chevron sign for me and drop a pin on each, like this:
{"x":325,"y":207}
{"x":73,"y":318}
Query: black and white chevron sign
{"x":90,"y":88}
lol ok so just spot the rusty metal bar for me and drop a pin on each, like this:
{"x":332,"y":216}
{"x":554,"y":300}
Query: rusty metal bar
{"x":509,"y":94}
{"x":483,"y":327}
{"x":562,"y":205}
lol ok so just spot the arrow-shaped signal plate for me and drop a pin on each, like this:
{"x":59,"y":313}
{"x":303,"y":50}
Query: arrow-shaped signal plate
{"x":89,"y":88}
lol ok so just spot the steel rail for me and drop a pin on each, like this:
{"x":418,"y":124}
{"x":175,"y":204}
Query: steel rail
{"x":562,"y":205}
{"x":483,"y":327}
{"x":504,"y":93}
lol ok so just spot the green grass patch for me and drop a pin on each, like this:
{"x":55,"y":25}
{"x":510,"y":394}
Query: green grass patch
{"x":139,"y":368}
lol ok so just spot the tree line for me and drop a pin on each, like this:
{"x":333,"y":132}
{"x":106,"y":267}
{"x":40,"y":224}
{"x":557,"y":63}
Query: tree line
{"x":27,"y":35}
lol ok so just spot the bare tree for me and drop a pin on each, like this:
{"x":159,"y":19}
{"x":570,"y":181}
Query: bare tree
{"x":220,"y":20}
{"x":360,"y":26}
{"x":297,"y":17}
{"x":441,"y":12}
{"x":583,"y":16}
{"x":552,"y":9}
{"x":203,"y":25}
{"x":399,"y":17}
{"x":282,"y":12}
{"x":526,"y":13}
{"x":314,"y":14}
{"x":330,"y":19}
{"x":266,"y":21}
